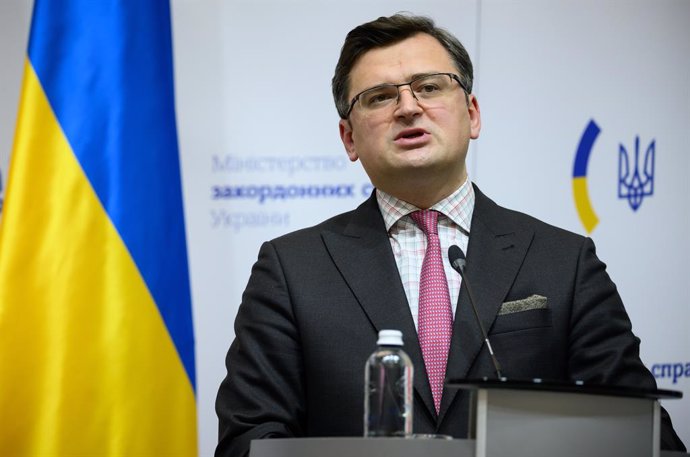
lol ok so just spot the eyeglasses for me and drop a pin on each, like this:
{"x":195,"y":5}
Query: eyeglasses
{"x":427,"y":88}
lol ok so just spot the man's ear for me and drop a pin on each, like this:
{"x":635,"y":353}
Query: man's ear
{"x":475,"y":117}
{"x":347,"y":139}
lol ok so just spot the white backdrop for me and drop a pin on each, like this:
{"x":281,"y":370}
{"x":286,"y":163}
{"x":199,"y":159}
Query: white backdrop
{"x":546,"y":69}
{"x":258,"y":131}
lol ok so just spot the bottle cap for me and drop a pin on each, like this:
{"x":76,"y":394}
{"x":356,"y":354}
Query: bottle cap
{"x":390,"y":338}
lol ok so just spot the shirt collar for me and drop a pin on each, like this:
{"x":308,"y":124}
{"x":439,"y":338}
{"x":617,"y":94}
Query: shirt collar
{"x":458,"y":207}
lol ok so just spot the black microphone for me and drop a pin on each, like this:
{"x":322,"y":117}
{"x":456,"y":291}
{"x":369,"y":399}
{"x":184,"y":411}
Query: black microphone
{"x":458,"y":262}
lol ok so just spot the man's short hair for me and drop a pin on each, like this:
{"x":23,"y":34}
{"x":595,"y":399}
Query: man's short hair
{"x":386,"y":31}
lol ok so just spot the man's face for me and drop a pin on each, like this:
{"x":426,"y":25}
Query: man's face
{"x":410,"y":145}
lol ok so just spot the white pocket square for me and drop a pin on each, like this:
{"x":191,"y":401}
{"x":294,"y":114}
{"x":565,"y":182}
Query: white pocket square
{"x":526,"y":304}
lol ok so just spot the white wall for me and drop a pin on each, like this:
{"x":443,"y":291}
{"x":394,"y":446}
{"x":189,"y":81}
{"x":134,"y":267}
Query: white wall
{"x":546,"y":69}
{"x":14,"y":29}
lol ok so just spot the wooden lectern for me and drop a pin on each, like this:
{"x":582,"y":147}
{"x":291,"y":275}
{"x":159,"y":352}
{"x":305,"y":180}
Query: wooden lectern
{"x":518,"y":419}
{"x":534,"y":418}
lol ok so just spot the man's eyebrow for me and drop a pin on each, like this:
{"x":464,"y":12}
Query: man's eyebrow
{"x":426,"y":73}
{"x":409,"y":78}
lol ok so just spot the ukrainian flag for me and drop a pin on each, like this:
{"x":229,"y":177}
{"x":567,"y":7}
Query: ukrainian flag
{"x":96,"y":339}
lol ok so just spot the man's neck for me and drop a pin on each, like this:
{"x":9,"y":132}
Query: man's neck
{"x":424,"y":195}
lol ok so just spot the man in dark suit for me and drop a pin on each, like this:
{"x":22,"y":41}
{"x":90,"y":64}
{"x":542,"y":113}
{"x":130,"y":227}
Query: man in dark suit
{"x":317,"y":297}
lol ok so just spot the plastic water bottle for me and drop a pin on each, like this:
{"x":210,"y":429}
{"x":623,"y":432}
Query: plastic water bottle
{"x":388,"y":388}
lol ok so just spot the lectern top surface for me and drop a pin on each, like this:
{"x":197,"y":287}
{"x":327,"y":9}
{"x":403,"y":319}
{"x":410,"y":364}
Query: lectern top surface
{"x":561,"y":386}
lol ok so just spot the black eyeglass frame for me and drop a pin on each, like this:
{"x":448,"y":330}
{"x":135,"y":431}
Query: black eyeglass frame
{"x":398,"y":86}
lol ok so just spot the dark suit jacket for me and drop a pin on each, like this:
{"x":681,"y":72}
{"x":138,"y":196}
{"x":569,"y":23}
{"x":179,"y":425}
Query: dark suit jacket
{"x":317,"y":297}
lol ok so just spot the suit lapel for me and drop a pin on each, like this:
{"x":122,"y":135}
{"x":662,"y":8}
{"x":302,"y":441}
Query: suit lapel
{"x":363,"y":255}
{"x":496,"y":251}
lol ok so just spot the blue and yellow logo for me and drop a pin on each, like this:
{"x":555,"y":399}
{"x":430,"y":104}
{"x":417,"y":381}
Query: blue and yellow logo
{"x":580,"y":193}
{"x":634,"y":181}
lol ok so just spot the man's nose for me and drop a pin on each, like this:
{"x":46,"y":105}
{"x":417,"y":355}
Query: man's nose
{"x":408,"y":104}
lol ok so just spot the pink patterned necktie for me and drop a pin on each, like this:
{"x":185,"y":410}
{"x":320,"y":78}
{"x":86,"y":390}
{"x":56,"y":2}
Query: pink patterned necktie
{"x":435,"y":313}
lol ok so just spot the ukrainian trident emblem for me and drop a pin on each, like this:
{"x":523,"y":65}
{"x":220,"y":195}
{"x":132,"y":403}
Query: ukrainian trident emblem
{"x":635,"y":184}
